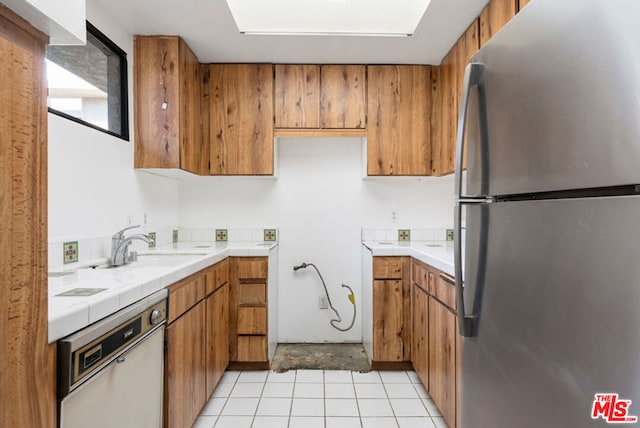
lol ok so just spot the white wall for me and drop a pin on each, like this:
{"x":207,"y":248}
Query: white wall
{"x":319,"y":203}
{"x":93,"y":189}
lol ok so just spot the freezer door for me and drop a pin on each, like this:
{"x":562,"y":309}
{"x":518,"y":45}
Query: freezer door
{"x":562,"y":85}
{"x":558,"y":315}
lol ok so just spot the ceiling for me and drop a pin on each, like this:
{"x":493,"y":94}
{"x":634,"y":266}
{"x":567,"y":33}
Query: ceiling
{"x":209,"y":29}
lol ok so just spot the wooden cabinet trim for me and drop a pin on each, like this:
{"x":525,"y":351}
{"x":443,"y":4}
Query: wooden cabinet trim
{"x":184,"y":294}
{"x":252,"y":268}
{"x":216,"y":276}
{"x":27,"y":360}
{"x":387,"y":267}
{"x":252,"y":320}
{"x":252,"y":348}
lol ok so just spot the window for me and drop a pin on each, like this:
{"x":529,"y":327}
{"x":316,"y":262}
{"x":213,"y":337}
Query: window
{"x":88,"y":84}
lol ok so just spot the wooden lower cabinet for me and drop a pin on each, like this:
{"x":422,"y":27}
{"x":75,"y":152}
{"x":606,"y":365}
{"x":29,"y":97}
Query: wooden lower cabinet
{"x":436,"y":344}
{"x":217,"y":336}
{"x":420,"y":335}
{"x":391,"y":309}
{"x":387,"y":320}
{"x":442,"y":359}
{"x":196,"y":343}
{"x":248,"y":321}
{"x":185,"y":368}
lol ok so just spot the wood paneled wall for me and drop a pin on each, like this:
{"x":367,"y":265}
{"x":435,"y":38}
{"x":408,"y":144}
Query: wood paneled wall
{"x":27,"y":361}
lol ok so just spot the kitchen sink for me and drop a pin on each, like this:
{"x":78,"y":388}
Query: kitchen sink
{"x":154,"y":260}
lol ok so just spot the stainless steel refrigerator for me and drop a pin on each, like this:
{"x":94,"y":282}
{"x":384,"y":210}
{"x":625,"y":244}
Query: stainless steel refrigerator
{"x":548,"y":219}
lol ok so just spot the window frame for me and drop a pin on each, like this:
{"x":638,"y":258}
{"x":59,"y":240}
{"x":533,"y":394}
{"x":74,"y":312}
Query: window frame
{"x":124,"y":88}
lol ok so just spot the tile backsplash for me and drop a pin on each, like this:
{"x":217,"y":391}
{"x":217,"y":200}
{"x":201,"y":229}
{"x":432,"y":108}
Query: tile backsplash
{"x":405,"y":234}
{"x":85,"y":250}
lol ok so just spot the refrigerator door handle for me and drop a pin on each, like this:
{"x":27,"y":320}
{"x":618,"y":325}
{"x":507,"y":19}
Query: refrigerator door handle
{"x":473,"y":77}
{"x":466,"y":324}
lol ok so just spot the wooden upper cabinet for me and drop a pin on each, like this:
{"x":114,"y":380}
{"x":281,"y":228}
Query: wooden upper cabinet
{"x":238,"y":116}
{"x":297,"y":96}
{"x":399,"y":103}
{"x":167,"y":105}
{"x":495,"y":16}
{"x":343,"y":96}
{"x":446,"y":94}
{"x":466,"y":47}
{"x":320,"y":96}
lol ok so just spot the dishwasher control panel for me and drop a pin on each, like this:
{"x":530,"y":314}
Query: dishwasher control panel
{"x":83,"y":353}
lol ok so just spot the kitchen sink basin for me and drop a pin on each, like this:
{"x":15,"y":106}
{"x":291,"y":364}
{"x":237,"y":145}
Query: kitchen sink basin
{"x":154,"y":260}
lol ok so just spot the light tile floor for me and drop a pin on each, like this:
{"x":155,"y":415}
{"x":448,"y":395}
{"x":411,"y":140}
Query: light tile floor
{"x":320,"y":398}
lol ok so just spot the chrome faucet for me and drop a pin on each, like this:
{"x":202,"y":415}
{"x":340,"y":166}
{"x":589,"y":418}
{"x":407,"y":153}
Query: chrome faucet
{"x":120,"y":246}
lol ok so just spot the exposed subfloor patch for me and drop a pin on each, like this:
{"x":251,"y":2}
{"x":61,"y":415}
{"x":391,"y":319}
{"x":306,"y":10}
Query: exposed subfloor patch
{"x":321,"y":356}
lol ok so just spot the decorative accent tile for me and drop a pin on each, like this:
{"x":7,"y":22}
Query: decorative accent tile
{"x":269,"y":234}
{"x":70,"y":252}
{"x":175,"y":236}
{"x":449,"y":234}
{"x":404,"y":235}
{"x":152,"y":235}
{"x":221,"y":234}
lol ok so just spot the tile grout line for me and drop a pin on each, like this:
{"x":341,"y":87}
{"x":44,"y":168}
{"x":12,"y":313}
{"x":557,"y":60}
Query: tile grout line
{"x":226,"y":400}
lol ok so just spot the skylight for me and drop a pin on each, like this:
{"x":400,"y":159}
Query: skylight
{"x":328,"y":17}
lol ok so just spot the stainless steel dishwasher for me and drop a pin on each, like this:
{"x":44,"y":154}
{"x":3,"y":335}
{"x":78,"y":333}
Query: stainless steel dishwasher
{"x":110,"y":373}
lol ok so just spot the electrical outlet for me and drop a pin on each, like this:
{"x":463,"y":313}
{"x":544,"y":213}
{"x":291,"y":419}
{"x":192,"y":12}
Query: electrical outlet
{"x":323,"y":302}
{"x":394,"y":217}
{"x":449,"y":234}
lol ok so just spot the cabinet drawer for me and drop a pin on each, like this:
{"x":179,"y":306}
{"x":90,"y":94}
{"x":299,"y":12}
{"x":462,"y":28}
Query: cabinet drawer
{"x":185,"y":294}
{"x":252,"y":268}
{"x":387,"y":267}
{"x":252,"y":320}
{"x":252,"y":348}
{"x":217,"y":276}
{"x":252,"y":294}
{"x":445,"y":290}
{"x":420,"y":276}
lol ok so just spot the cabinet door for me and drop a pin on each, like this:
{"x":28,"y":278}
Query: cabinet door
{"x":442,"y":360}
{"x":495,"y":16}
{"x":185,"y":372}
{"x":420,"y":349}
{"x":522,"y":4}
{"x":467,"y":45}
{"x":217,"y":336}
{"x":193,"y":151}
{"x":444,"y":115}
{"x":297,"y":89}
{"x":387,"y":320}
{"x":157,"y":102}
{"x":399,"y":130}
{"x":240,"y":109}
{"x":343,"y":95}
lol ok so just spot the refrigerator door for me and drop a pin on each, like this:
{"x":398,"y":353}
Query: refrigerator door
{"x":562,"y":85}
{"x":558,"y":315}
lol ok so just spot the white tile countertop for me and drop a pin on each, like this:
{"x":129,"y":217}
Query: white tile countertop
{"x":438,"y":254}
{"x":128,"y":284}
